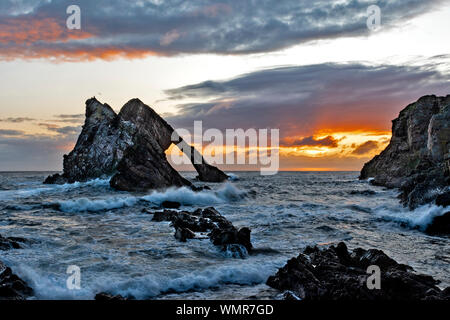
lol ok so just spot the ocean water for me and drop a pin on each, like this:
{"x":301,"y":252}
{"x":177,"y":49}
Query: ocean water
{"x":121,"y":251}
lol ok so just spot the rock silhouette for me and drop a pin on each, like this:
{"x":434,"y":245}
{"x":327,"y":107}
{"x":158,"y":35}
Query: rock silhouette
{"x":130,"y":147}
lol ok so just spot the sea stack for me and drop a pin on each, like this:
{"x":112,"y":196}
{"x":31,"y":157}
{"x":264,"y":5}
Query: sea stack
{"x":130,"y":147}
{"x":417,"y":159}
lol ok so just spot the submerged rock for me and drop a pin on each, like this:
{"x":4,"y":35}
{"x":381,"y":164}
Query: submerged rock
{"x":417,"y":159}
{"x":221,"y":232}
{"x":11,"y":242}
{"x":443,"y":199}
{"x":103,"y":296}
{"x":337,"y":274}
{"x":170,"y":204}
{"x":11,"y":286}
{"x":182,"y":234}
{"x":130,"y":146}
{"x":440,"y":225}
{"x":230,"y":235}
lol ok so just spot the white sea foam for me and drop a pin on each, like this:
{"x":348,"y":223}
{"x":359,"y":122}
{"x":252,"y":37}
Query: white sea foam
{"x":154,"y":285}
{"x":228,"y":192}
{"x":30,"y":192}
{"x":53,"y":286}
{"x":84,"y":204}
{"x":232,"y":177}
{"x":419,"y":218}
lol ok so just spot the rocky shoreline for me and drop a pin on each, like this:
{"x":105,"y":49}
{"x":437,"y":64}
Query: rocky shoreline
{"x":417,"y":159}
{"x":130,"y":147}
{"x":11,"y":286}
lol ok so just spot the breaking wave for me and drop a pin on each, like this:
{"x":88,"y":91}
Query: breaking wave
{"x":47,"y":286}
{"x":30,"y":192}
{"x":151,"y":286}
{"x":185,"y":196}
{"x":419,"y":218}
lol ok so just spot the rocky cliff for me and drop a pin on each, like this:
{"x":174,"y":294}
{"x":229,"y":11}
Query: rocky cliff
{"x":130,"y":147}
{"x":417,"y":159}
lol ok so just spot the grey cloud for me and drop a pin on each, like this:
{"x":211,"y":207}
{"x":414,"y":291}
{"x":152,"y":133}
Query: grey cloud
{"x":197,"y":26}
{"x":79,"y":116}
{"x":301,"y":99}
{"x":29,"y":152}
{"x":17,"y":120}
{"x":5,"y":132}
{"x":310,"y":141}
{"x":365,"y":147}
{"x":20,"y":151}
{"x":67,"y":130}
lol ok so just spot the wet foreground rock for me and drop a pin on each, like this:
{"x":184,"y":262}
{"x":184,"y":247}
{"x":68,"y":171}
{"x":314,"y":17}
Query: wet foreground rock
{"x":417,"y":159}
{"x":337,"y":274}
{"x":130,"y":147}
{"x":440,"y":225}
{"x":220,"y":231}
{"x":11,"y":286}
{"x":7,"y":243}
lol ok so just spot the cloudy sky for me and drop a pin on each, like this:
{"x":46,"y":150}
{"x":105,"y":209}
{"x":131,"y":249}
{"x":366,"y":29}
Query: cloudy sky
{"x":313,"y":69}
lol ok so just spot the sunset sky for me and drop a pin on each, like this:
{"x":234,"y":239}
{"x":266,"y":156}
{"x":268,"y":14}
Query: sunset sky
{"x":312,"y":69}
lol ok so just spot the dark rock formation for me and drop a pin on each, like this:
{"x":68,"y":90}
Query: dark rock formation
{"x":229,"y":235}
{"x":170,"y":204}
{"x":182,"y":234}
{"x":11,"y":242}
{"x":221,"y":232}
{"x":130,"y":146}
{"x":337,"y":274}
{"x":417,"y":160}
{"x":440,"y":225}
{"x":443,"y":200}
{"x":103,"y":296}
{"x":11,"y":286}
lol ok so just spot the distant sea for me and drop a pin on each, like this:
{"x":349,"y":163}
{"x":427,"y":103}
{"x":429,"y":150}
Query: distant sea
{"x":121,"y":251}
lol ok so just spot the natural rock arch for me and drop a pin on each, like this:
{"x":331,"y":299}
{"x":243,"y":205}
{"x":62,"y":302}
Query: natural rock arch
{"x":131,"y":147}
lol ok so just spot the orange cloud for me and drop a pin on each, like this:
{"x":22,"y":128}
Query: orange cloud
{"x":32,"y":38}
{"x":28,"y":31}
{"x":75,"y":55}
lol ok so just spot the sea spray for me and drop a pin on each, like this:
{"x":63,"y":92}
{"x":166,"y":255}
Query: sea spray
{"x":418,"y":218}
{"x":187,"y":197}
{"x":31,"y":192}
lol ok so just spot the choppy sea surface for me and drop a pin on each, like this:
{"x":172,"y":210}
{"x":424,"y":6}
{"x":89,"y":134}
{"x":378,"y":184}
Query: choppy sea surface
{"x":121,"y":251}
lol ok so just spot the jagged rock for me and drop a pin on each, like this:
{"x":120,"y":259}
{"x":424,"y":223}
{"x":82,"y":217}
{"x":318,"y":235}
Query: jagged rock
{"x":440,"y":225}
{"x":170,"y":204}
{"x":130,"y":146}
{"x":166,"y":215}
{"x":182,"y":234}
{"x":11,"y":286}
{"x":11,"y":242}
{"x":221,"y":232}
{"x":443,"y":199}
{"x":417,"y":158}
{"x":103,"y":296}
{"x":336,"y":274}
{"x":289,"y":295}
{"x":230,"y":235}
